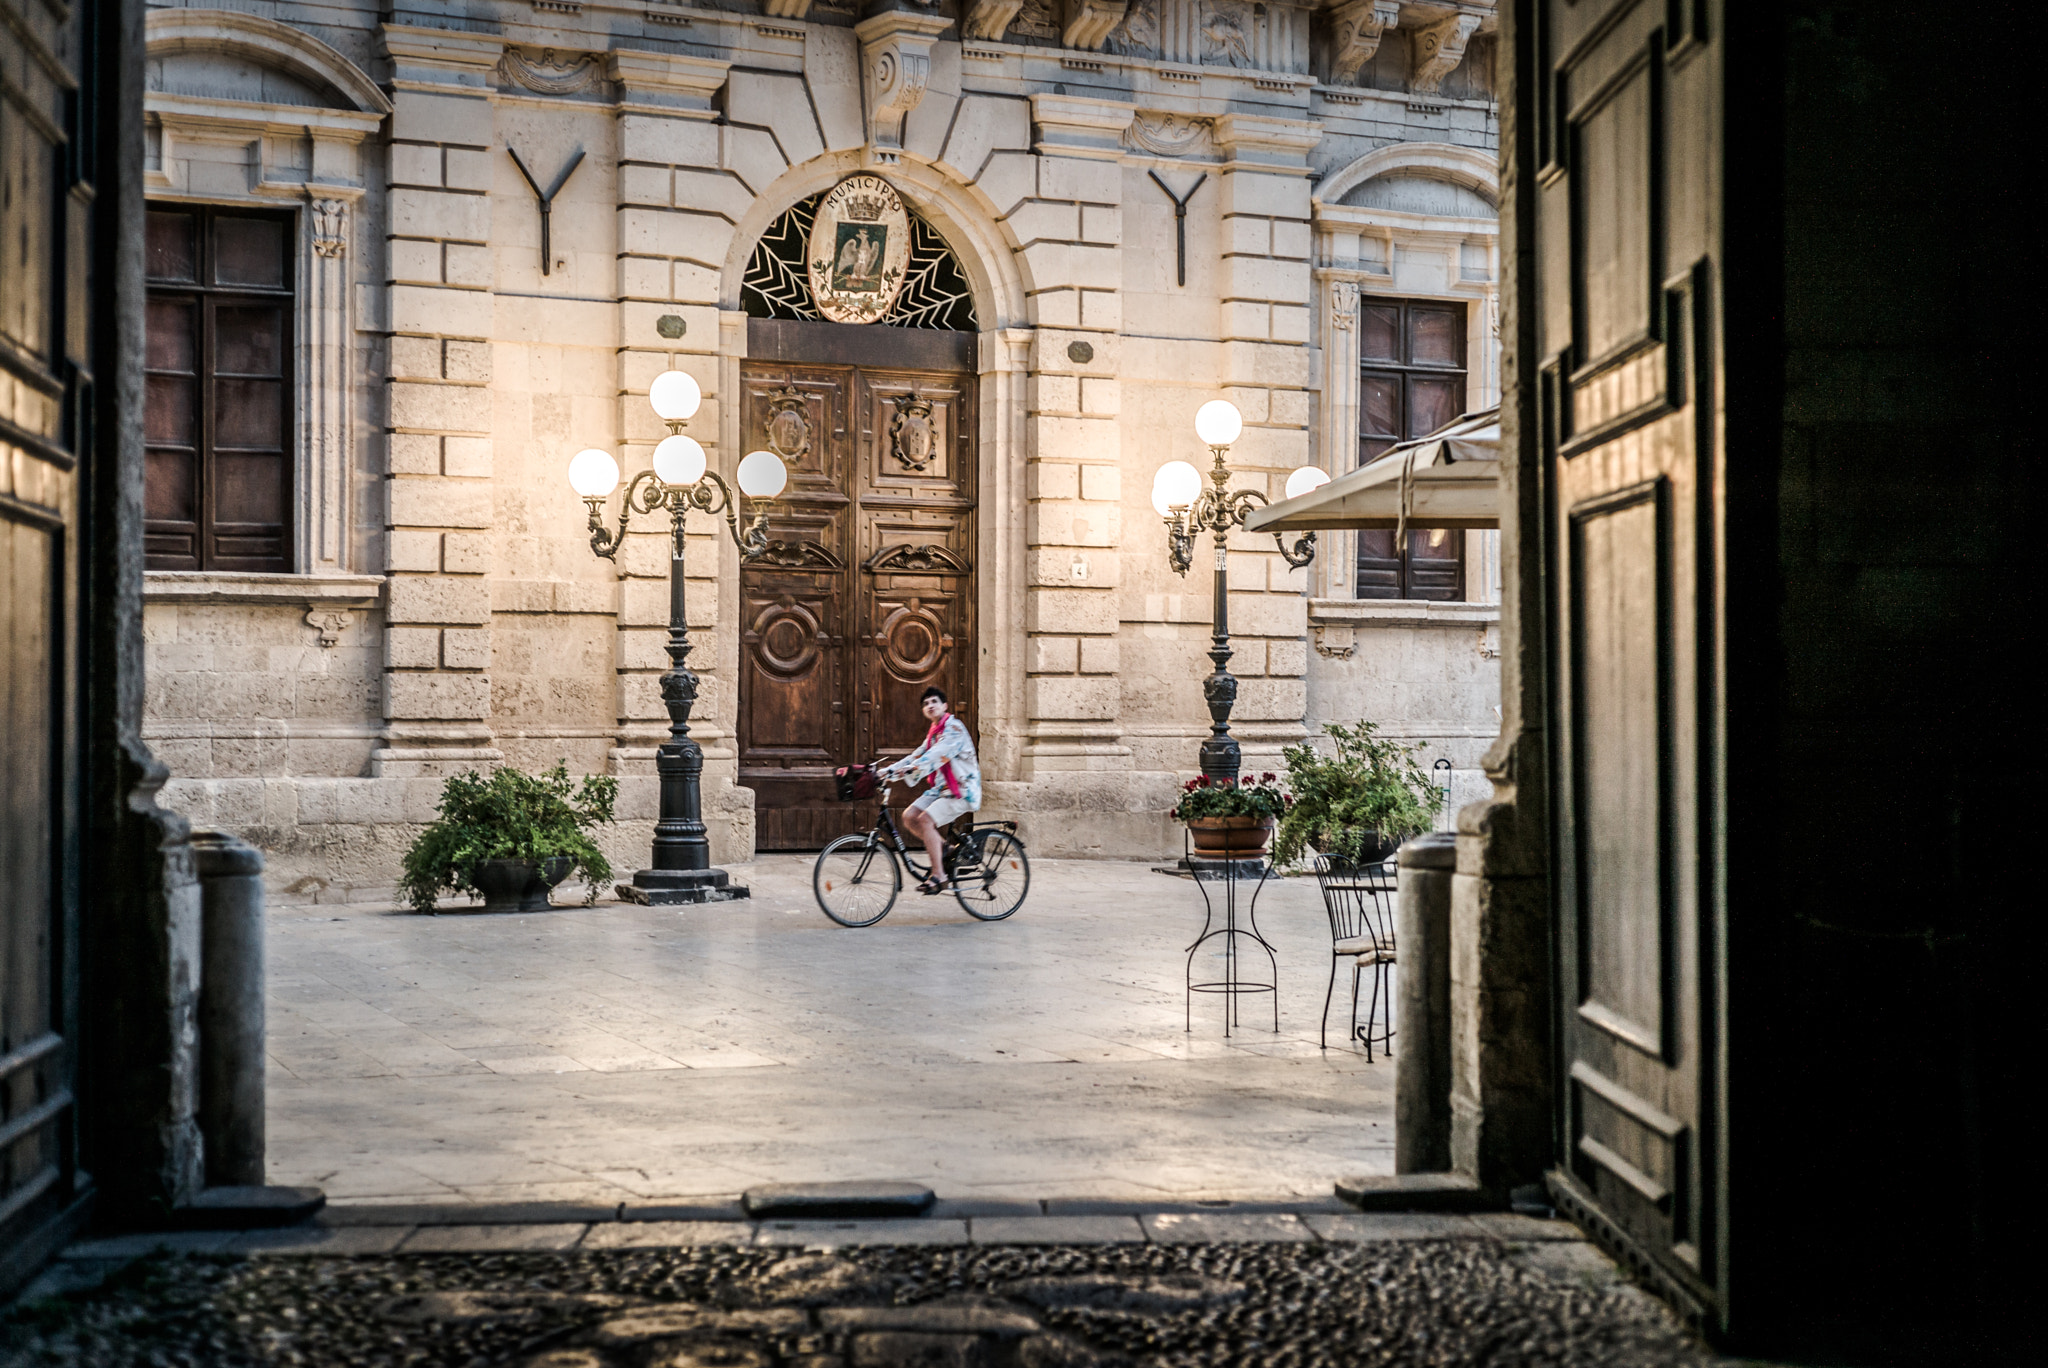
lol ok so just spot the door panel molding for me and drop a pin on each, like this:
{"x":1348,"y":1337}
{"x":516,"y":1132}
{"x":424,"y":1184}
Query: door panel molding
{"x":1630,"y":605}
{"x":1619,"y":691}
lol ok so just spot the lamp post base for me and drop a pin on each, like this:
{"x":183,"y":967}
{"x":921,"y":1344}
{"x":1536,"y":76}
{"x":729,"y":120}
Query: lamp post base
{"x":669,"y":887}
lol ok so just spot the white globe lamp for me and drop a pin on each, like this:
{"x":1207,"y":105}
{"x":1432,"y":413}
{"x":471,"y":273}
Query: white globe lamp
{"x":679,"y":461}
{"x":1306,"y":478}
{"x":1175,"y":486}
{"x":1218,"y":423}
{"x":762,"y":475}
{"x":593,"y":473}
{"x":675,"y":396}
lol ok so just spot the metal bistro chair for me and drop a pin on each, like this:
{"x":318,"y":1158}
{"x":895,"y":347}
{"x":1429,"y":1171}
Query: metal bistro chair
{"x":1360,"y":901}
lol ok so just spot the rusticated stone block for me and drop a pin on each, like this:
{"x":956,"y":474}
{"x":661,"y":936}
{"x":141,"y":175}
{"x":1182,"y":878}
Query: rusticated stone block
{"x":437,"y":696}
{"x":462,"y":602}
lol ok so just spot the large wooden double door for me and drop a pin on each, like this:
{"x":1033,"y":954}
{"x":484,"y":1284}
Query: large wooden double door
{"x":1625,"y":100}
{"x":867,"y":596}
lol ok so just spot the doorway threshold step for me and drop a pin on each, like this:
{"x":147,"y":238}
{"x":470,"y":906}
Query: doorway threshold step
{"x":874,"y":1200}
{"x":1418,"y":1192}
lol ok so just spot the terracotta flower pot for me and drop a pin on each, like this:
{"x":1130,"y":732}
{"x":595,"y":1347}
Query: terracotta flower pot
{"x":520,"y":885}
{"x":1231,"y":838}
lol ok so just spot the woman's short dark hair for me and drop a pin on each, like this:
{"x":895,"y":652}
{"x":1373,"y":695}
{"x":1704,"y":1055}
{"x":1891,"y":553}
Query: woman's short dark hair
{"x":933,"y":692}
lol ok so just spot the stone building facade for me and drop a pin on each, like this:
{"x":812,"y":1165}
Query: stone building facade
{"x":420,"y":596}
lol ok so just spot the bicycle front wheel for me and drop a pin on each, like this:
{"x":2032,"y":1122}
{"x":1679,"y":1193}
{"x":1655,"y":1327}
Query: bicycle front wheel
{"x":992,"y":876}
{"x":856,"y":880}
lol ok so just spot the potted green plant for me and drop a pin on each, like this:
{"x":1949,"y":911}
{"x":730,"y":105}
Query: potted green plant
{"x":1231,"y":819}
{"x":1358,"y":804}
{"x":509,"y":838}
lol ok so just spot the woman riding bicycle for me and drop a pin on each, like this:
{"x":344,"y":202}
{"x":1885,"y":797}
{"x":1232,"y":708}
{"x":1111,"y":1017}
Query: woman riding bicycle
{"x":947,"y":755}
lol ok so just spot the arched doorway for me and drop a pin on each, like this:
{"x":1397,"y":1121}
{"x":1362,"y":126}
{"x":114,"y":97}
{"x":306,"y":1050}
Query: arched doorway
{"x":868,"y":597}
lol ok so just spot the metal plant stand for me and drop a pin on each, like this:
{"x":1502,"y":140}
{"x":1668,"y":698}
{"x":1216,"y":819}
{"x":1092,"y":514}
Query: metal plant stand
{"x":1230,"y":874}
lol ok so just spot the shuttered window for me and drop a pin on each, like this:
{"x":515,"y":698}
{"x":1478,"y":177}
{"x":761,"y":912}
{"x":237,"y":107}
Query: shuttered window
{"x":218,"y":420}
{"x":1411,"y":381}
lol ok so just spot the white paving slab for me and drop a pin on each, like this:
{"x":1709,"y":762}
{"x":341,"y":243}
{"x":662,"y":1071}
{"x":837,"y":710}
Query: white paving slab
{"x":623,"y":1053}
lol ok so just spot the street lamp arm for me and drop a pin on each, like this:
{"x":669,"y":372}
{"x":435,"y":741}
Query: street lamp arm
{"x":713,"y":495}
{"x":1304,"y":549}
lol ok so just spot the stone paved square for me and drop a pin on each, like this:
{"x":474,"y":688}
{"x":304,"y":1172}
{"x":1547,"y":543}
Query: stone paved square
{"x":619,"y":1053}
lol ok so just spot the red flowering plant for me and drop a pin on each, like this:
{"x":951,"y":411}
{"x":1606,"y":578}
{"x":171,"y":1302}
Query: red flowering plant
{"x":1243,"y":797}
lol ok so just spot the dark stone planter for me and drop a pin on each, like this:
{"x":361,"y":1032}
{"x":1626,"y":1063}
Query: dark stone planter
{"x":520,"y":885}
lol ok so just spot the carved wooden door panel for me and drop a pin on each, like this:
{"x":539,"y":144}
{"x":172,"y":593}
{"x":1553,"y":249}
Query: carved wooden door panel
{"x":866,"y":596}
{"x":46,"y":232}
{"x":1625,"y":107}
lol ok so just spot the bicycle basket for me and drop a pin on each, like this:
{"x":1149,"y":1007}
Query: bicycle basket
{"x":855,"y":783}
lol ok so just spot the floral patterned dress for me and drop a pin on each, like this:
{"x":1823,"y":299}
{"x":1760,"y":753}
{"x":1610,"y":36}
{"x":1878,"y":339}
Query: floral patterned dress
{"x":947,"y":755}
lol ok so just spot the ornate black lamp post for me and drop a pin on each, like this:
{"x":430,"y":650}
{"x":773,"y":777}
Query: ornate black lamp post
{"x":681,"y":870}
{"x":1188,"y":508}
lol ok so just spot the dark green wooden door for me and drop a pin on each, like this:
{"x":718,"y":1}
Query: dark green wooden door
{"x":1627,"y":106}
{"x":45,"y":217}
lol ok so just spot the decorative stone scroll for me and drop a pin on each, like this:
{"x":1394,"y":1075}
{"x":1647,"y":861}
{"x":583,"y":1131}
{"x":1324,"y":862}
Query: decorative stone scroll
{"x":1439,"y":48}
{"x":1090,"y":22}
{"x":860,"y":243}
{"x":330,"y":623}
{"x":1344,"y":305}
{"x":1355,"y":32}
{"x":896,"y":65}
{"x":1167,"y":135}
{"x":550,"y":76}
{"x":330,"y":227}
{"x":988,"y":20}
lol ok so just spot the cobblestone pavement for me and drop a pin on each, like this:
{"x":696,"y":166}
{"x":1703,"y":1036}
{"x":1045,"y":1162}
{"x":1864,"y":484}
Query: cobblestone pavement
{"x":632,"y":1054}
{"x":1260,"y":1289}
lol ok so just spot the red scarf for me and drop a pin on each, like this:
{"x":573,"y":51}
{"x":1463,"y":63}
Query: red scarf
{"x":945,"y":766}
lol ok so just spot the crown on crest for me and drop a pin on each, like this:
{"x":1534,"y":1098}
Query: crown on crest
{"x":865,"y":208}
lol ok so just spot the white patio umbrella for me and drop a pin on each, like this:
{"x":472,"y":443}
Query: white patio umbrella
{"x":1451,"y":478}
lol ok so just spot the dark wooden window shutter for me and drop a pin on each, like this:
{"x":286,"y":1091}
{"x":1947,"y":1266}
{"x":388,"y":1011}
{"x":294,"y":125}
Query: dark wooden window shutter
{"x":218,"y":421}
{"x":1411,"y":381}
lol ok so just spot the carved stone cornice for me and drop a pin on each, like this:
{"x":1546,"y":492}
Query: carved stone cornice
{"x":1436,"y":50}
{"x":989,"y":20}
{"x":1090,"y":22}
{"x":670,"y":81}
{"x":1356,"y":28}
{"x":896,"y":65}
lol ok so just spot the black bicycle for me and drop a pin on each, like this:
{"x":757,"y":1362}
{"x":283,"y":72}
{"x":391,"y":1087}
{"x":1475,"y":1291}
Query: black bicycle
{"x":859,"y":876}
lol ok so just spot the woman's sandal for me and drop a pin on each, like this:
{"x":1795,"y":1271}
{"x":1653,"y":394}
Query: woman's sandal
{"x":931,"y":887}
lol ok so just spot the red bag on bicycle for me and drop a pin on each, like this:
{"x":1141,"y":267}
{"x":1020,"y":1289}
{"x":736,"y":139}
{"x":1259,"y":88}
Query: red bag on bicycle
{"x":854,"y":783}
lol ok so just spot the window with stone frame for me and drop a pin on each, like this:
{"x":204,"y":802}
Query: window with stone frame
{"x":218,"y":418}
{"x":1411,"y":381}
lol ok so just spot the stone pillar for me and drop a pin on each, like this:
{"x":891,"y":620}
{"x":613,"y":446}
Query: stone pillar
{"x":678,"y":200}
{"x":1071,"y":231}
{"x":231,"y":1016}
{"x":438,"y":494}
{"x":1422,"y":978}
{"x":1267,"y":370}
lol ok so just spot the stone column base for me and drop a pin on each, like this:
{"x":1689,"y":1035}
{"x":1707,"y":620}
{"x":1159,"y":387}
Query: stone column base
{"x":669,"y":887}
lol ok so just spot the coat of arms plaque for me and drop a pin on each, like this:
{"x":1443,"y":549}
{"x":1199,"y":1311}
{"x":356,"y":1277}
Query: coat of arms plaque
{"x":860,"y":244}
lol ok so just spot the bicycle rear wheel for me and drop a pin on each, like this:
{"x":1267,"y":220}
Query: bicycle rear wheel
{"x":856,"y":880}
{"x":992,"y":875}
